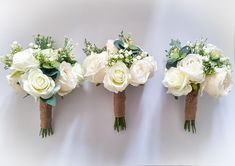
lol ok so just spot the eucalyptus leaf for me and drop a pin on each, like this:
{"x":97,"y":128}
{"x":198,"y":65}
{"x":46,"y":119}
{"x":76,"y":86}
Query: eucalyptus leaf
{"x":137,"y":51}
{"x":119,"y":44}
{"x":185,"y":51}
{"x":171,"y":63}
{"x":133,"y":47}
{"x":51,"y":101}
{"x":51,"y":72}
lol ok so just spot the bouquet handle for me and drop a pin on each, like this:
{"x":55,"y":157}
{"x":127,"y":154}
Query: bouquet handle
{"x":45,"y":119}
{"x":119,"y":111}
{"x":190,"y":110}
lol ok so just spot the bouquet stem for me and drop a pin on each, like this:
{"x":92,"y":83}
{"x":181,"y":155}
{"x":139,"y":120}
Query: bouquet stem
{"x":190,"y":110}
{"x":119,"y":111}
{"x":46,"y":119}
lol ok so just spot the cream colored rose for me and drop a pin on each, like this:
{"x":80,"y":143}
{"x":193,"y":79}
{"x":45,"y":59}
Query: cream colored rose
{"x":94,"y":66}
{"x":141,"y":70}
{"x":192,"y":65}
{"x":213,"y":50}
{"x":13,"y":80}
{"x":177,"y":82}
{"x":67,"y":80}
{"x":111,"y":47}
{"x":24,"y":60}
{"x":78,"y":72}
{"x":37,"y":84}
{"x":219,"y":84}
{"x":116,"y":78}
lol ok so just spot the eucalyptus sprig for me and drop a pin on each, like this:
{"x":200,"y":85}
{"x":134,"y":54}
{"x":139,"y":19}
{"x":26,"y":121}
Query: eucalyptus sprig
{"x":127,"y":52}
{"x":65,"y":54}
{"x":125,"y":39}
{"x":176,"y":53}
{"x":198,"y":47}
{"x":43,"y":42}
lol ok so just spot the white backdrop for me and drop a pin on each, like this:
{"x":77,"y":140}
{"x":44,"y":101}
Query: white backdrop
{"x":83,"y":120}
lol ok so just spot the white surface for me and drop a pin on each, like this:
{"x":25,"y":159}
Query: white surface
{"x":83,"y":121}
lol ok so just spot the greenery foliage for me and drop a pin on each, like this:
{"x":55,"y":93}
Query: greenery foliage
{"x":92,"y":48}
{"x":212,"y":60}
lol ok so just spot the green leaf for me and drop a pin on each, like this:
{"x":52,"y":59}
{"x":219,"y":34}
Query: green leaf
{"x":195,"y":86}
{"x":133,"y":47}
{"x":174,"y":53}
{"x":137,"y":52}
{"x":185,"y":51}
{"x":51,"y":72}
{"x":51,"y":101}
{"x":171,"y":63}
{"x":119,"y":44}
{"x":55,"y":64}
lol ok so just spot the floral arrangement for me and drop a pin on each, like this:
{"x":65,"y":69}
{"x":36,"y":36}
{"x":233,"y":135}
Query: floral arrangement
{"x":193,"y":69}
{"x":43,"y":71}
{"x":117,"y":65}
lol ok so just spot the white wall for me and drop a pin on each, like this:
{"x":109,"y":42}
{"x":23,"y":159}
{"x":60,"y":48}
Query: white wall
{"x":83,"y":121}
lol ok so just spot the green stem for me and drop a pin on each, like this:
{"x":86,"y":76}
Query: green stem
{"x":120,"y":124}
{"x":189,"y":125}
{"x":46,"y":132}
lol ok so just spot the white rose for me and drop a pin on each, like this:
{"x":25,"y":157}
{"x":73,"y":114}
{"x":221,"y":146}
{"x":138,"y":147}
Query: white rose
{"x":192,"y":65}
{"x":116,"y":78}
{"x":24,"y":60}
{"x":111,"y":47}
{"x":213,"y":50}
{"x":219,"y":84}
{"x":13,"y":80}
{"x":94,"y":66}
{"x":67,"y":80}
{"x":78,"y":72}
{"x":37,"y":84}
{"x":141,"y":70}
{"x":177,"y":82}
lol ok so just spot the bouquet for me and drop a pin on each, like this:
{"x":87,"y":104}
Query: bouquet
{"x":117,"y":65}
{"x":43,"y":71}
{"x":193,"y":69}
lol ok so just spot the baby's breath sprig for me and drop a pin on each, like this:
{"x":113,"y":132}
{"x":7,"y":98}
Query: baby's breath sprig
{"x":7,"y":59}
{"x":210,"y":65}
{"x":15,"y":47}
{"x":92,"y":48}
{"x":127,"y":52}
{"x":198,"y":47}
{"x":126,"y":57}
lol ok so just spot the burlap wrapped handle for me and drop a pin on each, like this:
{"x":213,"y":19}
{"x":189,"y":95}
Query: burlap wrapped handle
{"x":119,"y":111}
{"x":190,"y":110}
{"x":119,"y":104}
{"x":45,"y":119}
